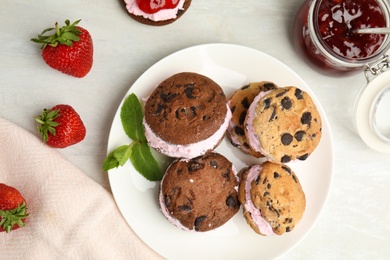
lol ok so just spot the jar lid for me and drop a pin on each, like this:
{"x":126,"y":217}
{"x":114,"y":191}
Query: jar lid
{"x":372,"y":113}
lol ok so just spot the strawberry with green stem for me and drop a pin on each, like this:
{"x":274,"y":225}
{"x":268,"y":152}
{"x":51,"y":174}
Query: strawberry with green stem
{"x":61,"y":126}
{"x":69,"y":49}
{"x":13,"y":208}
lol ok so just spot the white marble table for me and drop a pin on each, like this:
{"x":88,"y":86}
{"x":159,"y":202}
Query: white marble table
{"x":355,"y":221}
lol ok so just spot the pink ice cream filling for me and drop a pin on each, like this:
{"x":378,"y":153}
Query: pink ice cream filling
{"x":162,"y":15}
{"x":186,"y":151}
{"x":252,"y":137}
{"x":165,"y":210}
{"x":264,"y":227}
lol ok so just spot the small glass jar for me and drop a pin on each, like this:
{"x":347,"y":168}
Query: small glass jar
{"x":324,"y":35}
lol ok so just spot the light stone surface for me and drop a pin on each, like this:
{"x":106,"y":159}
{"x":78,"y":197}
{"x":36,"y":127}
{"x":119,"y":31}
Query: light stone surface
{"x":355,"y":221}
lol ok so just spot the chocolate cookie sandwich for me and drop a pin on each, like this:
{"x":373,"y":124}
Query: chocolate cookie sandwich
{"x":156,"y":13}
{"x":186,"y":116}
{"x":272,"y":198}
{"x":239,"y":104}
{"x":199,"y":194}
{"x":283,"y":125}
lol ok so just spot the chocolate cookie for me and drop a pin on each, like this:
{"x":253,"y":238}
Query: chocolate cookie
{"x":186,"y":115}
{"x":272,"y":198}
{"x":283,"y":125}
{"x":141,"y":19}
{"x":239,"y":104}
{"x":199,"y":194}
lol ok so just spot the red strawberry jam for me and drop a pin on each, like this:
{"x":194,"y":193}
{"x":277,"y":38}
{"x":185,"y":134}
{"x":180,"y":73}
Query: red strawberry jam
{"x":153,"y":6}
{"x":337,"y":21}
{"x":325,"y":29}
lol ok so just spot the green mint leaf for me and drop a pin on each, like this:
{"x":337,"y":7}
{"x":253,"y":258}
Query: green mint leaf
{"x":117,"y":158}
{"x":131,"y":116}
{"x":144,"y":162}
{"x":123,"y":153}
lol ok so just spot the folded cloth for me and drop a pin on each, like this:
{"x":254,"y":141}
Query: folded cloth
{"x":71,"y":216}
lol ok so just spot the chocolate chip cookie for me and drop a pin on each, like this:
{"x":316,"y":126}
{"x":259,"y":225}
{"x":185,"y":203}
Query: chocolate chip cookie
{"x":186,"y":115}
{"x":284,"y":125}
{"x":272,"y":198}
{"x":200,"y":194}
{"x":239,"y":104}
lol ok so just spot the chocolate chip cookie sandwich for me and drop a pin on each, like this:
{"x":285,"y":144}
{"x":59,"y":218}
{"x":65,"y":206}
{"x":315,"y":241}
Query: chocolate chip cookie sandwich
{"x":186,"y":116}
{"x":199,"y":194}
{"x":272,"y":198}
{"x":239,"y":104}
{"x":158,"y":12}
{"x":283,"y":125}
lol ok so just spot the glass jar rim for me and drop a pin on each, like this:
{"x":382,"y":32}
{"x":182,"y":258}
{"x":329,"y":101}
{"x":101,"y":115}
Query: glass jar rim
{"x":335,"y":58}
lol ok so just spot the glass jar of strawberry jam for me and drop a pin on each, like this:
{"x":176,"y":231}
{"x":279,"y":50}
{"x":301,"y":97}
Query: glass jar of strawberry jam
{"x":325,"y":31}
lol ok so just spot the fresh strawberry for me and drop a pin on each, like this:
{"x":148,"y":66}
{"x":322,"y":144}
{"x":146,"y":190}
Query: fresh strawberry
{"x":60,"y":126}
{"x":13,"y":208}
{"x":69,"y":49}
{"x":153,"y":6}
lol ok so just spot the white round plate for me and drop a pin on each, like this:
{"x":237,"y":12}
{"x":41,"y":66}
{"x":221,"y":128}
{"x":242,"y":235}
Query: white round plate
{"x":231,"y":66}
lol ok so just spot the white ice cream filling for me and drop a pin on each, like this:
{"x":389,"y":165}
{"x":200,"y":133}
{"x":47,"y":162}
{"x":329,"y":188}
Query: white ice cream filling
{"x":252,"y":138}
{"x":190,"y":150}
{"x":264,"y":227}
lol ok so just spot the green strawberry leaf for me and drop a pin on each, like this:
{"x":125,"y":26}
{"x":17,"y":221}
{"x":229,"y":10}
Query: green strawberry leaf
{"x":131,"y":116}
{"x":144,"y":162}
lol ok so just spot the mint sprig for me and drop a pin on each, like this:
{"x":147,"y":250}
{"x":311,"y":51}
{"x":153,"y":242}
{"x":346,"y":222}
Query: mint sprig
{"x":138,"y":152}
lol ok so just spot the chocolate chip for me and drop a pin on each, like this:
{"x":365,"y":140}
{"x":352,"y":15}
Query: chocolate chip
{"x":275,"y":210}
{"x":233,"y":108}
{"x":287,"y":139}
{"x":273,"y":115}
{"x":226,"y":174}
{"x":267,"y":103}
{"x":257,"y":181}
{"x":286,"y":159}
{"x":235,"y":145}
{"x":306,"y":118}
{"x":167,"y":97}
{"x":294,"y":178}
{"x":265,"y":180}
{"x":298,"y":94}
{"x":269,"y":86}
{"x":214,"y":164}
{"x":245,"y":102}
{"x":245,"y":87}
{"x":231,"y":201}
{"x":194,"y":166}
{"x":286,"y":103}
{"x":239,"y":131}
{"x":242,"y":118}
{"x":276,"y":175}
{"x":281,"y":93}
{"x":159,"y":109}
{"x":189,"y":90}
{"x":266,"y":194}
{"x":167,"y":200}
{"x":303,"y":157}
{"x":185,"y":208}
{"x":288,"y":229}
{"x":287,"y":169}
{"x":269,"y":186}
{"x":199,"y":221}
{"x":299,"y":135}
{"x":205,"y":117}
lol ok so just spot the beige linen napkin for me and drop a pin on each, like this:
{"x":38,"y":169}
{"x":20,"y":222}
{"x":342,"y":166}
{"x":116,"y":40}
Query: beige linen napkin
{"x":71,"y":216}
